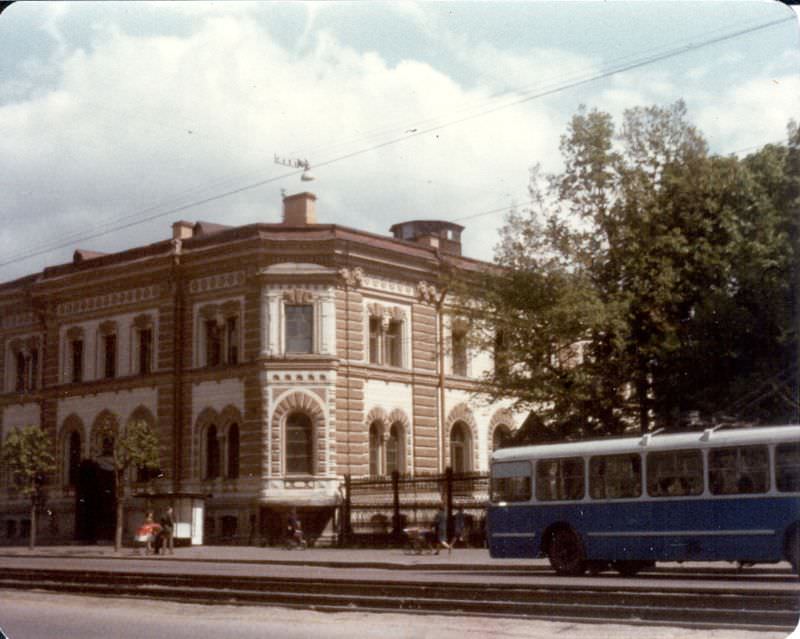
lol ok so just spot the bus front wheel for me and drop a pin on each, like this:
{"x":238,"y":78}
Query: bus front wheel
{"x":565,"y":552}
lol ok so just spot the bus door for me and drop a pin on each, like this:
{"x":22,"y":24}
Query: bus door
{"x":744,"y":520}
{"x":512,"y":526}
{"x":679,"y":517}
{"x":617,"y":516}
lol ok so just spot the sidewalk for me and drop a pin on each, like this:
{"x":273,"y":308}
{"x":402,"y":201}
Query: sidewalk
{"x":385,"y":558}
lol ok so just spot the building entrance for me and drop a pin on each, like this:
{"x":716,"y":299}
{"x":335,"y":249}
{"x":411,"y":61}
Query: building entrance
{"x":95,"y":512}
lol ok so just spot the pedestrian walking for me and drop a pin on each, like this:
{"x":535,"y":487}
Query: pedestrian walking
{"x":168,"y":531}
{"x":440,"y":530}
{"x":458,"y":527}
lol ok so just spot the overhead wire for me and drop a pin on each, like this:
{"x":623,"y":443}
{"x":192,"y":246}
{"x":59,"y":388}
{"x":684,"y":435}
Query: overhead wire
{"x":136,"y":218}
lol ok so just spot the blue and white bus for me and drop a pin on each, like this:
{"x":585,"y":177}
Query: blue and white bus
{"x":720,"y":494}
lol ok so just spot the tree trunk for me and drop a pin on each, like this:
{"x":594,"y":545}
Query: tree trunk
{"x":32,"y":538}
{"x":120,"y":494}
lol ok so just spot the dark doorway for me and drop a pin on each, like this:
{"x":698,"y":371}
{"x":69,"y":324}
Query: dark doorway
{"x":95,"y":514}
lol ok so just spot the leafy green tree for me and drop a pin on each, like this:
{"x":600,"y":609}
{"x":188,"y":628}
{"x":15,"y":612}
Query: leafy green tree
{"x":667,"y":268}
{"x":27,"y":453}
{"x":136,"y":448}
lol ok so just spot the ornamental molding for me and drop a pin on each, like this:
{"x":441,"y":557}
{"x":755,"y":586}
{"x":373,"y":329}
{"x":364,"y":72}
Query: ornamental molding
{"x":298,"y":296}
{"x":109,"y":327}
{"x":426,"y":293}
{"x":385,"y":284}
{"x":143,"y":321}
{"x":217,"y":282}
{"x":109,"y":300}
{"x":353,"y":277}
{"x":75,"y":333}
{"x":386,"y":313}
{"x":17,"y":320}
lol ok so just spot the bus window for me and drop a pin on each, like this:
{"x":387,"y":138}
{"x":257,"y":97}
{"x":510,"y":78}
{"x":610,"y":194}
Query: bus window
{"x":675,"y":473}
{"x":511,"y":482}
{"x":615,"y":476}
{"x":559,"y":479}
{"x":787,"y":467}
{"x":740,"y":470}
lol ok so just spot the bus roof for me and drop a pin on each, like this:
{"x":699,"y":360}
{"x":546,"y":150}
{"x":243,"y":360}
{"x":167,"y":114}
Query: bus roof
{"x":654,"y":441}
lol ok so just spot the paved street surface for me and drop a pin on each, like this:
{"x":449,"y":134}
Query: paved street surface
{"x":27,"y":615}
{"x":44,"y":616}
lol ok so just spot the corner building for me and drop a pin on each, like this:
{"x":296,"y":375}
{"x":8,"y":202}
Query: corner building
{"x":271,"y":359}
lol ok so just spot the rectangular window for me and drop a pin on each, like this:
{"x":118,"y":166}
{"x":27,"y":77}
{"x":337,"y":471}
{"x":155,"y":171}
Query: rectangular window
{"x":740,"y":470}
{"x":213,"y":343}
{"x":374,"y":340}
{"x":77,"y":360}
{"x":299,"y":328}
{"x":145,"y":351}
{"x":110,"y":355}
{"x":459,"y":347}
{"x":393,"y":344}
{"x":510,"y":482}
{"x":615,"y":477}
{"x":232,"y":338}
{"x":675,"y":473}
{"x":560,"y":479}
{"x":787,"y":467}
{"x":20,"y":372}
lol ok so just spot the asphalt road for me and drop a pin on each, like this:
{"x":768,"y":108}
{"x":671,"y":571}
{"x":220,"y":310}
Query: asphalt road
{"x":29,"y":615}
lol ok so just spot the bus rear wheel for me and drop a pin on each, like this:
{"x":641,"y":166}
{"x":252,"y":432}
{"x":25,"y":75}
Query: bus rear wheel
{"x":565,"y":552}
{"x":793,"y":549}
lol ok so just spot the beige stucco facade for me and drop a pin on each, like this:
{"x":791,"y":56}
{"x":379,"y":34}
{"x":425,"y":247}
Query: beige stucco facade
{"x":271,"y":359}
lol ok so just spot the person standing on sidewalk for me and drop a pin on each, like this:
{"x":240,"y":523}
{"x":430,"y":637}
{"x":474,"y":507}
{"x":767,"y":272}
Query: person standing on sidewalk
{"x":167,"y":531}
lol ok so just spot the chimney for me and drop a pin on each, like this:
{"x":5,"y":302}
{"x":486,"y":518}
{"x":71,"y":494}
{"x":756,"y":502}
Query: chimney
{"x":298,"y":209}
{"x":182,"y":230}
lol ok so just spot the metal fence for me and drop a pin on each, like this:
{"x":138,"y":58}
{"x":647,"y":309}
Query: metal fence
{"x":375,"y":511}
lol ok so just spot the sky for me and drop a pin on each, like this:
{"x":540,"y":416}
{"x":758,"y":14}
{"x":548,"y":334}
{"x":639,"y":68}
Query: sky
{"x":118,"y":119}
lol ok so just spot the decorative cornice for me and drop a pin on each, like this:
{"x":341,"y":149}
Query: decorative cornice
{"x":98,"y":302}
{"x":216,"y":282}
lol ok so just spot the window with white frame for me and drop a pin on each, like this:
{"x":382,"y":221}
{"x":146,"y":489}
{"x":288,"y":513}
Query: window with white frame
{"x":386,"y":335}
{"x":458,"y":347}
{"x":299,"y":444}
{"x":299,"y":324}
{"x":219,"y":340}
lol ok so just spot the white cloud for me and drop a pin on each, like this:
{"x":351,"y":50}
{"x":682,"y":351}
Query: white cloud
{"x":137,"y":120}
{"x":753,"y":113}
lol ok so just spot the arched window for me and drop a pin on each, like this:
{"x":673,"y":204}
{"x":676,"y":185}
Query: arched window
{"x":212,"y":453}
{"x":460,"y":448}
{"x":232,"y":471}
{"x":299,"y":459}
{"x":73,"y":457}
{"x":375,"y":449}
{"x":394,"y":449}
{"x":107,"y":446}
{"x":500,"y":437}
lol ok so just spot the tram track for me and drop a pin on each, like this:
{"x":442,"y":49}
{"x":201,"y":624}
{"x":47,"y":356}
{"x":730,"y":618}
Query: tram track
{"x":773,"y":609}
